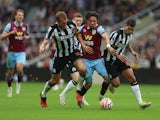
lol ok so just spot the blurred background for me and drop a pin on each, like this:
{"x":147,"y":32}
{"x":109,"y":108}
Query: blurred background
{"x":40,"y":14}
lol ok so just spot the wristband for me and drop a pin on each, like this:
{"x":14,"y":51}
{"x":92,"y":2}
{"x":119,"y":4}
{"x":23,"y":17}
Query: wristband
{"x":108,"y":45}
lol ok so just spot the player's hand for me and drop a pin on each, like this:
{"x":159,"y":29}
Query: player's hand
{"x":87,"y":49}
{"x":135,"y":54}
{"x":41,"y":50}
{"x":74,"y":31}
{"x":25,"y":37}
{"x":112,"y":51}
{"x":123,"y":58}
{"x":13,"y":32}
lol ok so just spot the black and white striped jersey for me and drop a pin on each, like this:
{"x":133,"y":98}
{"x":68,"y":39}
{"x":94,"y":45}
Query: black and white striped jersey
{"x":78,"y":45}
{"x":119,"y":41}
{"x":64,"y":39}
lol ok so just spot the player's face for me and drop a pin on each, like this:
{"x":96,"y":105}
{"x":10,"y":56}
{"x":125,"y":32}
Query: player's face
{"x":78,"y":21}
{"x":92,"y":21}
{"x":128,"y":29}
{"x":19,"y":17}
{"x":62,"y":23}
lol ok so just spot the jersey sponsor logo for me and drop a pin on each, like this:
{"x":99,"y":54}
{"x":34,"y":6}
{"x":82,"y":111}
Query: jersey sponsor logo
{"x":64,"y":37}
{"x":89,"y":43}
{"x":121,"y":45}
{"x":88,"y":37}
{"x":19,"y":33}
{"x":19,"y":36}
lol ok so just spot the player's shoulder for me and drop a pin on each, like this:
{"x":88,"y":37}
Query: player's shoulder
{"x":52,"y":27}
{"x":118,"y":31}
{"x":84,"y":26}
{"x":25,"y":24}
{"x":70,"y":22}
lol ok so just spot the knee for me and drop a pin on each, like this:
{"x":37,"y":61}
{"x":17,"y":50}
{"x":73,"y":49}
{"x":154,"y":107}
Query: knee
{"x":54,"y":79}
{"x":115,"y":84}
{"x":82,"y":71}
{"x":10,"y":73}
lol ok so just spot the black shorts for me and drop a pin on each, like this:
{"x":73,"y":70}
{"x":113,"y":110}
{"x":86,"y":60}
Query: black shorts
{"x":114,"y":68}
{"x":61,"y":62}
{"x":71,"y":67}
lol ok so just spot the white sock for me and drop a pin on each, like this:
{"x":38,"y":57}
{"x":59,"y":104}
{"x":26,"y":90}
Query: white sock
{"x":80,"y":78}
{"x":137,"y":93}
{"x":71,"y":84}
{"x":46,"y":88}
{"x":80,"y":84}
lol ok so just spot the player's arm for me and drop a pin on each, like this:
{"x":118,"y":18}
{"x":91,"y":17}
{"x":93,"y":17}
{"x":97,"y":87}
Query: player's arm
{"x":134,"y":53}
{"x":26,"y":36}
{"x":43,"y":47}
{"x":113,"y":37}
{"x":85,"y":48}
{"x":105,"y":36}
{"x":45,"y":41}
{"x":7,"y":32}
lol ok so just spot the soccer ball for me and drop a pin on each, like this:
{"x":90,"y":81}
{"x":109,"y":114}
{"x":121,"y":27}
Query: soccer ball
{"x":106,"y":104}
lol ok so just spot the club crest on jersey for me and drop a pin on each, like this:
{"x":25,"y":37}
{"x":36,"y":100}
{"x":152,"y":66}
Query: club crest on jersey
{"x":84,"y":30}
{"x":23,"y":29}
{"x":93,"y":32}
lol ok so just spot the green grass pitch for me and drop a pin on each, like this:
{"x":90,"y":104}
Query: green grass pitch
{"x":26,"y":105}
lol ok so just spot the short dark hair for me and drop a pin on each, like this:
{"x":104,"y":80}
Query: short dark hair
{"x":131,"y":22}
{"x":91,"y":14}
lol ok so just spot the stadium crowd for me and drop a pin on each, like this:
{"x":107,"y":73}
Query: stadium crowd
{"x":111,"y":11}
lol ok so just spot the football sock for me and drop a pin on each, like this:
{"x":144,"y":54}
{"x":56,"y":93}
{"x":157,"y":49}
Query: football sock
{"x":84,"y":90}
{"x":104,"y":88}
{"x":71,"y":84}
{"x":136,"y":90}
{"x":46,"y":88}
{"x":81,"y":78}
{"x":20,"y":77}
{"x":9,"y":81}
{"x":80,"y":84}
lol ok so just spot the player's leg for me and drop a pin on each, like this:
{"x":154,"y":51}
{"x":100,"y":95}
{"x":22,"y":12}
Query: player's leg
{"x":101,"y":70}
{"x":48,"y":85}
{"x":70,"y":85}
{"x":20,"y":61}
{"x":56,"y":74}
{"x":9,"y":79}
{"x":113,"y":76}
{"x":129,"y":75}
{"x":20,"y":74}
{"x":79,"y":86}
{"x":10,"y":71}
{"x":82,"y":92}
{"x":51,"y":62}
{"x":88,"y":83}
{"x":81,"y":68}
